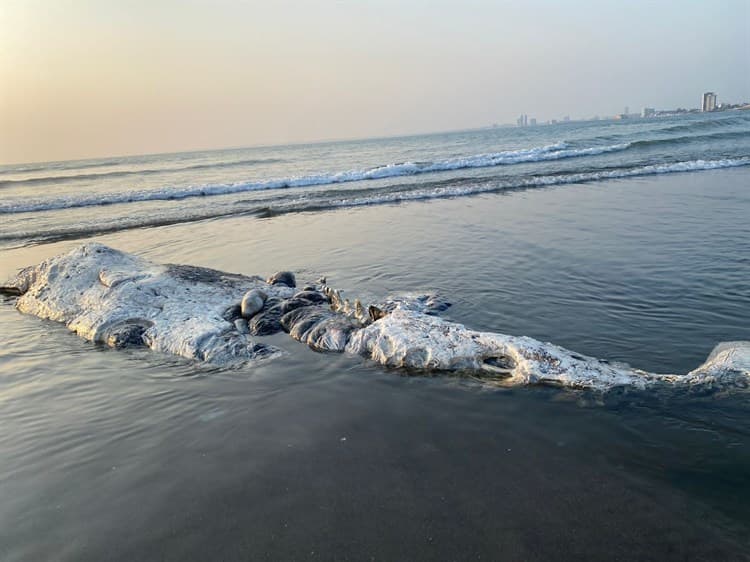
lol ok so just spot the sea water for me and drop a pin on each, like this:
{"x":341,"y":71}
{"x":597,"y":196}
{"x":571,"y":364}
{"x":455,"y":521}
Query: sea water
{"x":626,"y":240}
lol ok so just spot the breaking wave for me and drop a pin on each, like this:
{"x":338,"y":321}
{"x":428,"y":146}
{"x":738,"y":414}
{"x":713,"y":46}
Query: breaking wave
{"x":555,"y":151}
{"x":393,"y":194}
{"x":459,"y":189}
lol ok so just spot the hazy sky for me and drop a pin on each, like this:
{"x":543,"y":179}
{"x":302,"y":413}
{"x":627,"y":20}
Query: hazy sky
{"x":83,"y":78}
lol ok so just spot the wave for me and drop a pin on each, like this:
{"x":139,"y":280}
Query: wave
{"x":357,"y":198}
{"x":62,"y":165}
{"x":555,"y":151}
{"x":729,"y":135}
{"x":473,"y":188}
{"x":679,"y":134}
{"x":704,"y":124}
{"x":121,"y":173}
{"x":687,"y":139}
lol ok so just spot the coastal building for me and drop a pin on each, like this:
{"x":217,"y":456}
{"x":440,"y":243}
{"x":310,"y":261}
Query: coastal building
{"x":648,"y":112}
{"x":708,"y":102}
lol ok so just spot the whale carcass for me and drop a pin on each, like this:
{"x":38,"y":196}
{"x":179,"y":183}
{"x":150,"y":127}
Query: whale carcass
{"x":109,"y":296}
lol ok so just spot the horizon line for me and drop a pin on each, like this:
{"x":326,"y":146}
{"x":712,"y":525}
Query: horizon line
{"x":260,"y":145}
{"x":296,"y":143}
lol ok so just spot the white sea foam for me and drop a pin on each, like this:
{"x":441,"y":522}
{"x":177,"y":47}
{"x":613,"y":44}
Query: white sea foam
{"x":457,"y":190}
{"x":393,"y":194}
{"x":537,"y":154}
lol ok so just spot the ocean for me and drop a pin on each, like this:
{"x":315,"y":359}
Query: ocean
{"x":624,"y":240}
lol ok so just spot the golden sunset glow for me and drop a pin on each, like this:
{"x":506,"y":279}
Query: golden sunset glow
{"x":94,"y":78}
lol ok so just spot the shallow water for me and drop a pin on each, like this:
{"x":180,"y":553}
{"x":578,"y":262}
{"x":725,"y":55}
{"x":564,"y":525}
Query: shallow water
{"x":110,"y":454}
{"x":42,"y":203}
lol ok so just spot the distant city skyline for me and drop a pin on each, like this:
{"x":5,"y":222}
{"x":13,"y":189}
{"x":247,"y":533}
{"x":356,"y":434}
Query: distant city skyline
{"x":87,"y":79}
{"x":708,"y":103}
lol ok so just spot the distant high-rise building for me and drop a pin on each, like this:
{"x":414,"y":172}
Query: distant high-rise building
{"x":708,"y":102}
{"x":647,"y":112}
{"x":523,"y":120}
{"x":532,"y":121}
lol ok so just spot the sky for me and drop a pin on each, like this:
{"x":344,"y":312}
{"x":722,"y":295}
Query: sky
{"x":93,"y":78}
